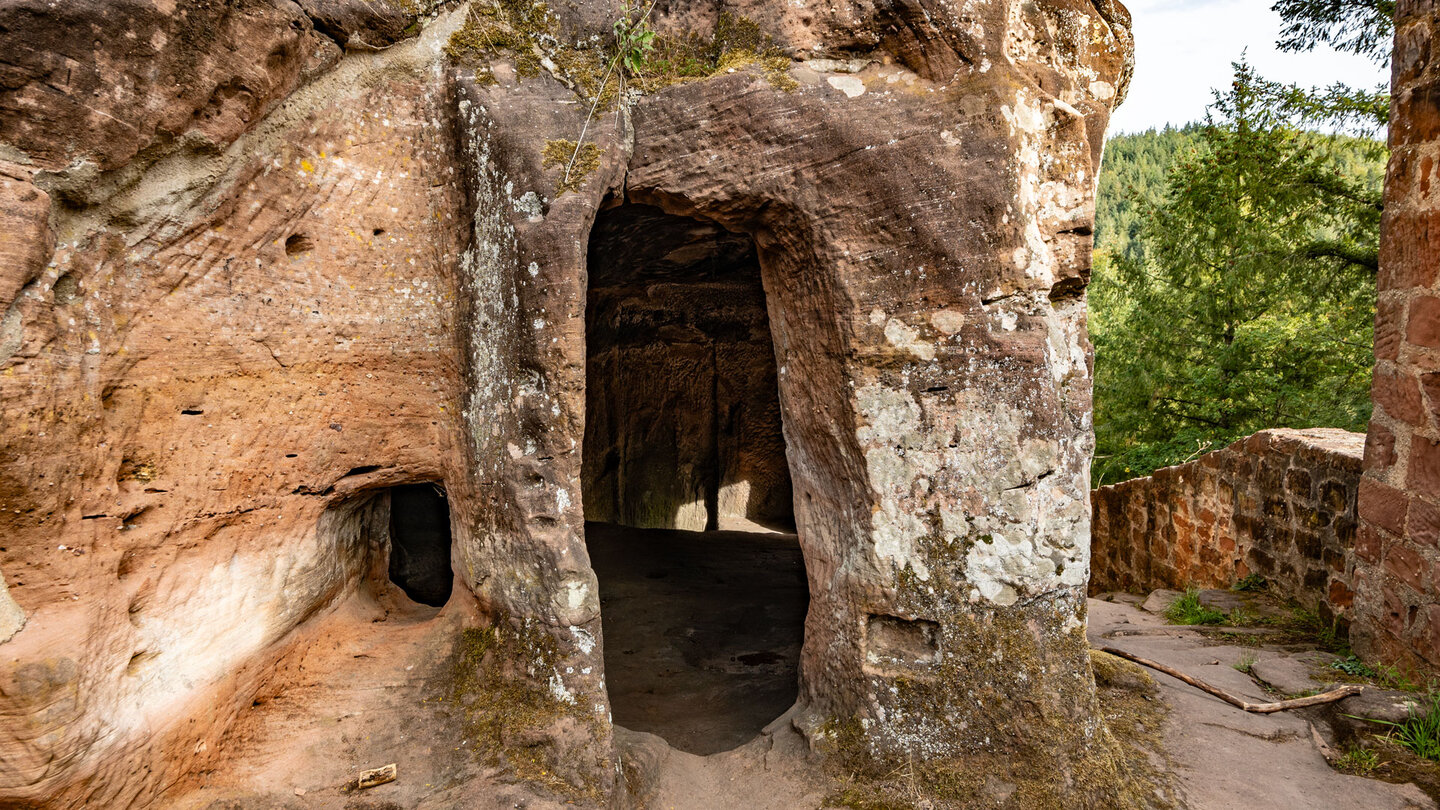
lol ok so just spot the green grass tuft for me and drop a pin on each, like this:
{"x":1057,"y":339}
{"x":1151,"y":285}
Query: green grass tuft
{"x":1359,"y":761}
{"x":1246,"y":664}
{"x":1420,"y":732}
{"x":1188,"y":610}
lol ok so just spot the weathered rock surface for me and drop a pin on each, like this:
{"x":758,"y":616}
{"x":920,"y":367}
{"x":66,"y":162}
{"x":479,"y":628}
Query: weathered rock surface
{"x":249,"y":284}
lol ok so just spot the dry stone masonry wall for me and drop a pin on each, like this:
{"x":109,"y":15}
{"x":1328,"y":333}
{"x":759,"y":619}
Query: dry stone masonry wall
{"x":1280,"y":505}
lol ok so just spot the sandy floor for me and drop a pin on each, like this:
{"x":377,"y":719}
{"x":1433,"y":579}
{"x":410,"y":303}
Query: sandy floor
{"x":702,"y":631}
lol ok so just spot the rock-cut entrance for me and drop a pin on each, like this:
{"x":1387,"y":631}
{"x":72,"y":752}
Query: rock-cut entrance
{"x":688,"y":506}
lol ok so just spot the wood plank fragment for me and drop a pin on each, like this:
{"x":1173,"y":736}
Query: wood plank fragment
{"x":372,"y":778}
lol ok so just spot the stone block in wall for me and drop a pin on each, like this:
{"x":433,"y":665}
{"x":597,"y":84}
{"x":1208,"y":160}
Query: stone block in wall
{"x":1389,"y":316}
{"x":1399,"y":394}
{"x":1422,"y":327}
{"x":1423,"y":525}
{"x":1423,"y":472}
{"x":1383,"y":505}
{"x":1407,"y":566}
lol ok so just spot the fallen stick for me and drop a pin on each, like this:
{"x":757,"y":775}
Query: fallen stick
{"x":1259,"y":708}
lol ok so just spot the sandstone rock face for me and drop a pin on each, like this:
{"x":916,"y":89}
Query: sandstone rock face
{"x":236,"y":313}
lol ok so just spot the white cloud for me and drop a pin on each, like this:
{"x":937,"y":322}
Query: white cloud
{"x":1185,"y":47}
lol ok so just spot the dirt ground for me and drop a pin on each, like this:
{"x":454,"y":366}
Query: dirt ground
{"x":703,"y":635}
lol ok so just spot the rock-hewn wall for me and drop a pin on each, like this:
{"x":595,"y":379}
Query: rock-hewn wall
{"x":234,"y":312}
{"x":1398,"y":548}
{"x":683,"y":409}
{"x":1279,"y":504}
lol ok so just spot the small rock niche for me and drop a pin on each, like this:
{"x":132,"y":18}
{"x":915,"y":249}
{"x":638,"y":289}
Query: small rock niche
{"x":688,"y":501}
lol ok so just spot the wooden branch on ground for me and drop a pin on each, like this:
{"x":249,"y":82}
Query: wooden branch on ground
{"x":1333,"y":695}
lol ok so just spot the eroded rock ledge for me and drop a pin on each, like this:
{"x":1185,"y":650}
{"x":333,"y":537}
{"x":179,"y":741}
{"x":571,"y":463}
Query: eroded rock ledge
{"x":250,"y":284}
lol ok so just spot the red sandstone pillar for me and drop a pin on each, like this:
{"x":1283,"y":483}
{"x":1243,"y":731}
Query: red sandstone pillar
{"x":1396,"y":558}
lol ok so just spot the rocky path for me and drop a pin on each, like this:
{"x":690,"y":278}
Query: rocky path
{"x":1223,"y":757}
{"x":295,"y":748}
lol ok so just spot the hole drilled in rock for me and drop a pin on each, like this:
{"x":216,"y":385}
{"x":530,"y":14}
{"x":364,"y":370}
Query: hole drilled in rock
{"x":686,"y":483}
{"x":420,"y":543}
{"x":297,"y":244}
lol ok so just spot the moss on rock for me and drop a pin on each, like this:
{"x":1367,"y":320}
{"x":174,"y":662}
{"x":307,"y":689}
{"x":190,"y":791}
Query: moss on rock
{"x":502,"y":679}
{"x":1045,"y":748}
{"x":558,"y":153}
{"x":737,"y":43}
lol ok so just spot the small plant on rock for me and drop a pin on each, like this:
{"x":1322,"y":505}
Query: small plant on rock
{"x":1188,"y":610}
{"x":1355,"y":668}
{"x":1359,"y":761}
{"x":1380,"y":674}
{"x":1420,"y":732}
{"x":1240,"y":617}
{"x":1253,"y":583}
{"x":1246,"y":664}
{"x":634,"y":38}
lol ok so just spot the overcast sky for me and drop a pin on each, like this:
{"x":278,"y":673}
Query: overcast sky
{"x":1183,"y":48}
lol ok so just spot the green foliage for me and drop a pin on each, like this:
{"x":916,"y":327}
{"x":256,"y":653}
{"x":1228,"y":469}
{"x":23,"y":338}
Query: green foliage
{"x":1188,"y":610}
{"x":1383,"y":675}
{"x":1357,"y":26}
{"x":1240,"y":617}
{"x":1354,"y":667}
{"x":1339,"y":107}
{"x":1420,"y":732}
{"x":634,"y":39}
{"x":1359,"y":761}
{"x":1244,"y":299}
{"x":1253,"y":583}
{"x":1133,"y":177}
{"x":1246,"y":664}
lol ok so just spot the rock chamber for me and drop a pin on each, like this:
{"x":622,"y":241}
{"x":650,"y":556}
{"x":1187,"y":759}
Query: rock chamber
{"x":349,"y":345}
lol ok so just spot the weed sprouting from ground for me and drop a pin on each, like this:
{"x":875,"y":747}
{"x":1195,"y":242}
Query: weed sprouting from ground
{"x":1359,"y":761}
{"x":1380,"y":674}
{"x":1240,"y":617}
{"x":1188,"y":610}
{"x":1420,"y":732}
{"x":1252,"y":583}
{"x":1355,"y":667}
{"x":1246,"y":664}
